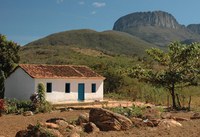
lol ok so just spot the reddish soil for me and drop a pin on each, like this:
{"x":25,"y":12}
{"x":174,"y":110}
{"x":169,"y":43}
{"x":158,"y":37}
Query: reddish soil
{"x":10,"y":124}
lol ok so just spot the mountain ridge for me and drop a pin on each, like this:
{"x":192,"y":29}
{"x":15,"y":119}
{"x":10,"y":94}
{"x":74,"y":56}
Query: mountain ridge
{"x":156,"y":27}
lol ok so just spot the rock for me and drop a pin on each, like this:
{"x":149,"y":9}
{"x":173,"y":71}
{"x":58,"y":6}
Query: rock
{"x":74,"y":134}
{"x":106,"y":120}
{"x":166,"y":115}
{"x":28,"y":113}
{"x":53,"y":120}
{"x":51,"y":125}
{"x":151,"y":113}
{"x":83,"y":118}
{"x":35,"y":131}
{"x":21,"y":133}
{"x":148,"y":123}
{"x":62,"y":123}
{"x":71,"y":127}
{"x":54,"y":133}
{"x":169,"y":123}
{"x":155,"y":122}
{"x":137,"y":122}
{"x":195,"y":116}
{"x":91,"y":128}
{"x":180,"y":119}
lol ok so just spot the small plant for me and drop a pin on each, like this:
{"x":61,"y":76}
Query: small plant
{"x":1,"y":106}
{"x":17,"y":106}
{"x":129,"y":111}
{"x":39,"y":101}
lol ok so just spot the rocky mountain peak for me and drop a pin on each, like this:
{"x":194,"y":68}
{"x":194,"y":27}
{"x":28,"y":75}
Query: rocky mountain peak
{"x":155,"y":18}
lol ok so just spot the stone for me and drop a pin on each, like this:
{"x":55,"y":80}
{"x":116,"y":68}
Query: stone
{"x":33,"y":131}
{"x":180,"y":119}
{"x":195,"y":116}
{"x":166,"y":115}
{"x":54,"y":133}
{"x":148,"y":123}
{"x":28,"y":113}
{"x":53,"y":120}
{"x":51,"y":125}
{"x":71,"y":127}
{"x":107,"y":120}
{"x":74,"y":134}
{"x":137,"y":122}
{"x":21,"y":133}
{"x":168,"y":123}
{"x":83,"y":118}
{"x":62,"y":123}
{"x":155,"y":122}
{"x":91,"y":128}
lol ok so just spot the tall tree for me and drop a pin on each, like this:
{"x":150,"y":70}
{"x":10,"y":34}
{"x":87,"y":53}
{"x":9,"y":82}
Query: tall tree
{"x":2,"y":88}
{"x":178,"y":67}
{"x":9,"y":57}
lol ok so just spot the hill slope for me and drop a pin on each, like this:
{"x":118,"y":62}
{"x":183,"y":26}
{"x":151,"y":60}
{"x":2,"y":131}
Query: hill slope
{"x":158,"y":27}
{"x":111,"y":42}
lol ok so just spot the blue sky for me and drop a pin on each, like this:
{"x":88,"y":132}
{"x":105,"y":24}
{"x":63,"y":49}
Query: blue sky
{"x":26,"y":20}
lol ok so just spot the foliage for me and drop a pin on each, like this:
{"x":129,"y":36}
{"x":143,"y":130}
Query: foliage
{"x":178,"y":68}
{"x":108,"y":41}
{"x":133,"y":111}
{"x":9,"y":57}
{"x":1,"y":106}
{"x":17,"y":106}
{"x":2,"y":88}
{"x":39,"y":101}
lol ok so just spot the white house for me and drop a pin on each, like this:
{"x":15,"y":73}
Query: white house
{"x":63,"y":82}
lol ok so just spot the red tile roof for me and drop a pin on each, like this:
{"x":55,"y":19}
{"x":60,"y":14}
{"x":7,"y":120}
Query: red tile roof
{"x":59,"y":71}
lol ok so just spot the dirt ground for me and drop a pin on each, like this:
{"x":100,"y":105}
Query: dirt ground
{"x":10,"y":124}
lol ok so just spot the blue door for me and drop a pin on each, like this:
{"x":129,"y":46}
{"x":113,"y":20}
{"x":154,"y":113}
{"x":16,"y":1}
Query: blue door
{"x":81,"y":90}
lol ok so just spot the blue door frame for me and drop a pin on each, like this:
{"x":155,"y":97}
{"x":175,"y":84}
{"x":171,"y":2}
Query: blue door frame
{"x":81,"y":91}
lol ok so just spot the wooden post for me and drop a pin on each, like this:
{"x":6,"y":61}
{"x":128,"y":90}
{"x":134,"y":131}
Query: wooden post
{"x":168,"y":101}
{"x":178,"y":101}
{"x":189,"y":102}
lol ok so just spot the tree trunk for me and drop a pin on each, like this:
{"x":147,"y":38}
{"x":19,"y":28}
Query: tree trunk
{"x":173,"y":97}
{"x":178,"y":101}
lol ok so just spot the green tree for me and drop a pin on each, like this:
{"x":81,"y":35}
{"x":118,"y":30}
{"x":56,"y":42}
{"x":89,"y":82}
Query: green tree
{"x":41,"y":93}
{"x":178,"y":67}
{"x":2,"y":88}
{"x":9,"y":57}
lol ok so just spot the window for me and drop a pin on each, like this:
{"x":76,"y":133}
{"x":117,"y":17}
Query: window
{"x":93,"y":88}
{"x":67,"y":87}
{"x":49,"y":87}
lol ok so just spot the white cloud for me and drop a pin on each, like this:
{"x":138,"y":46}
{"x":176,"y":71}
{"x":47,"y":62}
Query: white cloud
{"x":93,"y":12}
{"x":81,"y":3}
{"x":99,"y":4}
{"x":59,"y":1}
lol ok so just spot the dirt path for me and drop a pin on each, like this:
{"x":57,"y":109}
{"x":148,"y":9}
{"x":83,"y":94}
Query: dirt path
{"x":10,"y":124}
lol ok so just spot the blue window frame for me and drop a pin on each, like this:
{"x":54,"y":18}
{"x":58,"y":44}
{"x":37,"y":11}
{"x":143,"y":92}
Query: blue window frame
{"x":67,"y":87}
{"x":93,"y":87}
{"x":49,"y":87}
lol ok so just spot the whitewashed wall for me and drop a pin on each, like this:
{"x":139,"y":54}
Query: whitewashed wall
{"x":58,"y":89}
{"x":19,"y":85}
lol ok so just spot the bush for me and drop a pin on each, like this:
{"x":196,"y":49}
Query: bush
{"x":1,"y":106}
{"x":39,"y":101}
{"x":44,"y":107}
{"x":17,"y":106}
{"x":133,"y":111}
